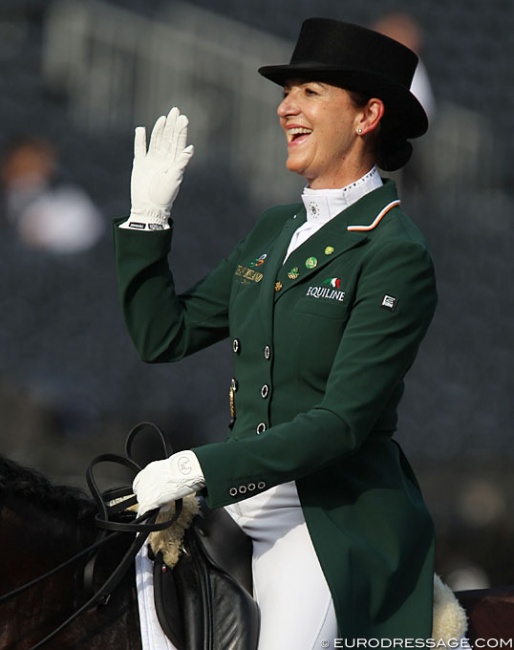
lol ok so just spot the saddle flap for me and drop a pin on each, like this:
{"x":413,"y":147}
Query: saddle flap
{"x":224,"y":543}
{"x":168,"y":603}
{"x":205,"y":602}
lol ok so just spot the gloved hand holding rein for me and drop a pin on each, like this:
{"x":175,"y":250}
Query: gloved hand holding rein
{"x":167,"y":480}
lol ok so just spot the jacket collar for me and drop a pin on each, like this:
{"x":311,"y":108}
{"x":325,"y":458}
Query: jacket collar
{"x":322,"y":205}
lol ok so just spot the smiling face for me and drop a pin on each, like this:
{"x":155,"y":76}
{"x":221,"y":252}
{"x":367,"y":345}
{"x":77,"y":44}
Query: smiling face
{"x":320,"y":122}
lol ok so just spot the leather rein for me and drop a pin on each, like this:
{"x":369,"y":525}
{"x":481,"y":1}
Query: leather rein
{"x":109,"y":504}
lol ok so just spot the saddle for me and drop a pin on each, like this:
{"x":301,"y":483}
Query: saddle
{"x":204,"y":602}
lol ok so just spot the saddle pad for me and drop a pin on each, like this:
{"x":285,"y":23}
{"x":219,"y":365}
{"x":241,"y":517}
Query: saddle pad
{"x":152,"y":636}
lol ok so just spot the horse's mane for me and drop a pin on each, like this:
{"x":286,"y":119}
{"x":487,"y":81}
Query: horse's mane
{"x":26,"y":484}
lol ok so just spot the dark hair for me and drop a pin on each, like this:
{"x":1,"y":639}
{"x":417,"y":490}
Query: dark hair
{"x":392,"y":149}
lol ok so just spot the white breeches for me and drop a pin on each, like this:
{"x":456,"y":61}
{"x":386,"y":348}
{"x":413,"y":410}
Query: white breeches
{"x":293,"y":596}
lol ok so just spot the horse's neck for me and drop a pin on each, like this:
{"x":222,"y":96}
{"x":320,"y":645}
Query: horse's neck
{"x":41,"y":537}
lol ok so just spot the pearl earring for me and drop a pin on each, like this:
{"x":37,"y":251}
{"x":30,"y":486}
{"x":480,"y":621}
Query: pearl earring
{"x":359,"y":131}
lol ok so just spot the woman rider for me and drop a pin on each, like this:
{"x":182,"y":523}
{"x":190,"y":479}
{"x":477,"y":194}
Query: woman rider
{"x":326,"y":302}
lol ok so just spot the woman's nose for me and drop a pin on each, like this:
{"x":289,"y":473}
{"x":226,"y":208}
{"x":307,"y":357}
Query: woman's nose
{"x":287,"y":106}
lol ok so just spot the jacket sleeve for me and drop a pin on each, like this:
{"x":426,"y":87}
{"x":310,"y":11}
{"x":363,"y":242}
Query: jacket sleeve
{"x":165,"y":326}
{"x":394,"y":304}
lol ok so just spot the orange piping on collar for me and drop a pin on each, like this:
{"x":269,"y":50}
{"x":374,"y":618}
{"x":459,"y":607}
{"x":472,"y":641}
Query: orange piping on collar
{"x":379,"y":218}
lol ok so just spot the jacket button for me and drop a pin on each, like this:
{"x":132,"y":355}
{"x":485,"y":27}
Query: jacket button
{"x":265,"y":391}
{"x":261,"y":428}
{"x":236,"y":346}
{"x":233,"y":492}
{"x":267,"y":353}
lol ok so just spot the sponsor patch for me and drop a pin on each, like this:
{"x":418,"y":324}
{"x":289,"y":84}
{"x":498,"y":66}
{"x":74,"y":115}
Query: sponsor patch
{"x":389,"y":302}
{"x":326,"y":292}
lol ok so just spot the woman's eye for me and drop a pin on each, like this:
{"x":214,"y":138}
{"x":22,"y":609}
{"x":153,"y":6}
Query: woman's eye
{"x":310,"y":91}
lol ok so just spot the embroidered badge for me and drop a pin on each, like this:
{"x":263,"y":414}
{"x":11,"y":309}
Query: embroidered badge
{"x":259,"y":261}
{"x":389,"y":302}
{"x":311,"y":262}
{"x":335,"y":283}
{"x":329,"y":250}
{"x":278,"y":286}
{"x":313,"y":209}
{"x":293,"y":273}
{"x":248,"y":274}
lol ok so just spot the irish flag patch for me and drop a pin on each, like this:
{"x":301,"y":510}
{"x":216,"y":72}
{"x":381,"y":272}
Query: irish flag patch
{"x":335,"y":283}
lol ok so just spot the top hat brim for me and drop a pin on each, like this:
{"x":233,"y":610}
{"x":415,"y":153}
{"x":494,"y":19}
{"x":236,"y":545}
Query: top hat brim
{"x":410,"y":116}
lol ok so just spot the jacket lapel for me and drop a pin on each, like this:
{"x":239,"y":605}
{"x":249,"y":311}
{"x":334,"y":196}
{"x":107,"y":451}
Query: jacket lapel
{"x":274,"y":264}
{"x":339,"y":235}
{"x":332,"y":240}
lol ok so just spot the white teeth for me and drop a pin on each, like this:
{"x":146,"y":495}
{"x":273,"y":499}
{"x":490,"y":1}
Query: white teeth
{"x":298,"y":130}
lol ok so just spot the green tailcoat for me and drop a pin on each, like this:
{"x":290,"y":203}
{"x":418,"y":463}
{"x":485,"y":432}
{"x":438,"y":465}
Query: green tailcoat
{"x":321,"y":344}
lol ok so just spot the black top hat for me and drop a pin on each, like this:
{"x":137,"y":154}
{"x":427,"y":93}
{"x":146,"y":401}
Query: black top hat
{"x":359,"y":59}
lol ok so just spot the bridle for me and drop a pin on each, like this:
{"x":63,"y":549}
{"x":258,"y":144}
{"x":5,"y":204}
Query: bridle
{"x":110,"y":504}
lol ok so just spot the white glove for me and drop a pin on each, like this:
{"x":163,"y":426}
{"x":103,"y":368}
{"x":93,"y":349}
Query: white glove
{"x":166,"y":480}
{"x":157,"y":174}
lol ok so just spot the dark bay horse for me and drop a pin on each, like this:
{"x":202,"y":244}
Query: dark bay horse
{"x":41,"y":525}
{"x":490,"y":616}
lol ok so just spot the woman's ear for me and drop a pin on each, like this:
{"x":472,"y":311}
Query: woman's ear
{"x":371,"y":115}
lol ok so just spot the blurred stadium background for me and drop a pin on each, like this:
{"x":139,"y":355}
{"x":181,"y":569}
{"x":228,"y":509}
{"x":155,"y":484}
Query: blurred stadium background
{"x":83,"y":73}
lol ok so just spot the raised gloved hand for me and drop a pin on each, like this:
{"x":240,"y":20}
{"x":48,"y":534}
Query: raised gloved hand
{"x":157,"y":173}
{"x":167,"y":480}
